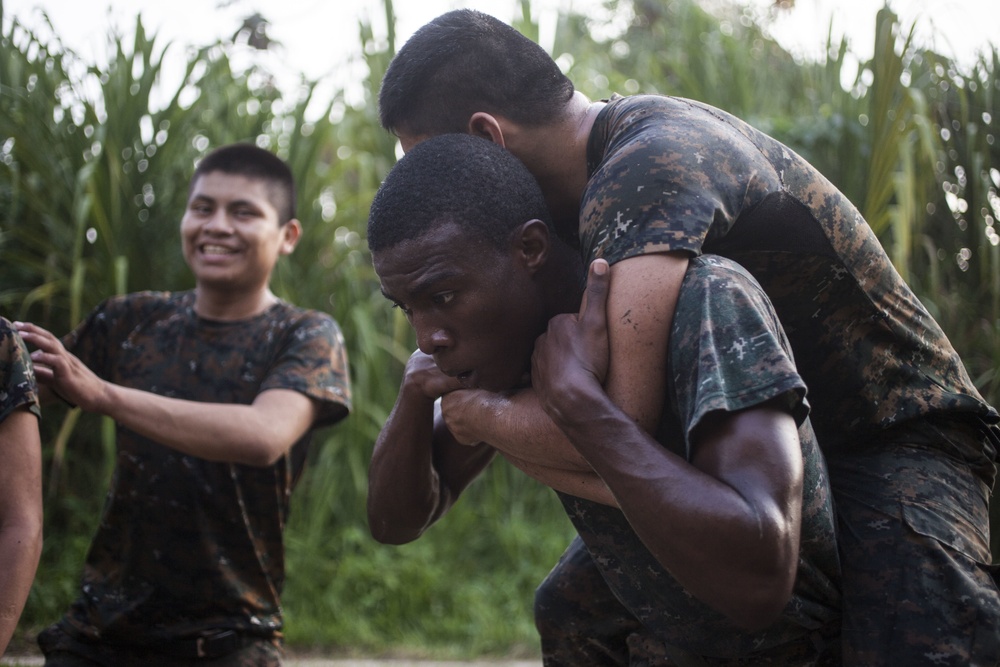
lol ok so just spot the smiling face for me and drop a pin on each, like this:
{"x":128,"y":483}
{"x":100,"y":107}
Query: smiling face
{"x":230,"y":233}
{"x":474,"y":308}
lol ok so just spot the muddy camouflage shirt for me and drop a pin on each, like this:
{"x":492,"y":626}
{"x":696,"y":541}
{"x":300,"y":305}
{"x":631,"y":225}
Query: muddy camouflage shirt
{"x":17,"y":378}
{"x":727,"y":353}
{"x":186,"y":544}
{"x":669,"y":174}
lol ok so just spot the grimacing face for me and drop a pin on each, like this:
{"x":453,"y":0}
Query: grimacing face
{"x":474,"y":308}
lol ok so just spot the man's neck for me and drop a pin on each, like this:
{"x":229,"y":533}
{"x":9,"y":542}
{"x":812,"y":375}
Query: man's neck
{"x":556,"y":154}
{"x":222,"y":306}
{"x":563,"y":279}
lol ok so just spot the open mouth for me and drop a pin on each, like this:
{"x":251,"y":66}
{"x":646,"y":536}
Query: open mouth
{"x":469,"y":379}
{"x":212,"y":249}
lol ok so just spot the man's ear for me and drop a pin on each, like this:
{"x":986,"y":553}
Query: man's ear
{"x":532,"y":244}
{"x":291,"y":233}
{"x":482,"y":124}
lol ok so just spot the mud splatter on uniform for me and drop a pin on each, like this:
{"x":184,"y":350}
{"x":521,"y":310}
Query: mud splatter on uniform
{"x":17,"y":378}
{"x":910,"y":443}
{"x":727,"y":353}
{"x":187,"y":546}
{"x":672,"y":174}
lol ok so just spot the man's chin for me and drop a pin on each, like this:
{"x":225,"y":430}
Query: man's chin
{"x":504,"y":385}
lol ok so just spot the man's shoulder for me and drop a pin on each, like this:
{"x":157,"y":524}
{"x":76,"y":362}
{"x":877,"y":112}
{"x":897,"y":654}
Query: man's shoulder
{"x":314,"y":340}
{"x":283,"y":308}
{"x":17,"y":380}
{"x":7,"y":332}
{"x":676,"y":135}
{"x":631,"y":103}
{"x":718,"y":294}
{"x":146,"y":301}
{"x":666,"y":113}
{"x":12,"y":348}
{"x":710,"y":271}
{"x":290,"y":316}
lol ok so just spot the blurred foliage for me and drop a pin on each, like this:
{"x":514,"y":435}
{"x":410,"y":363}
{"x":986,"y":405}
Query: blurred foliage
{"x":94,"y":165}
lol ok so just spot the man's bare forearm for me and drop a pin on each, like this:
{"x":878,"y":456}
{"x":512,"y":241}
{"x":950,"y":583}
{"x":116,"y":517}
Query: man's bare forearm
{"x":582,"y":484}
{"x":256,"y":434}
{"x":20,"y":515}
{"x":417,"y":469}
{"x":515,"y":424}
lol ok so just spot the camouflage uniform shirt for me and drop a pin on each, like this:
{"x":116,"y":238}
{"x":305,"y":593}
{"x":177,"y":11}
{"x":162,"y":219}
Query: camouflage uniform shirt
{"x":727,"y":353}
{"x":670,"y":174}
{"x":184,"y":544}
{"x":17,"y":379}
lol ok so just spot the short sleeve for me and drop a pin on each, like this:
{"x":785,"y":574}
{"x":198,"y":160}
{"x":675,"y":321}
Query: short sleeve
{"x":670,"y":178}
{"x":97,"y":339}
{"x":17,"y":378}
{"x":314,"y":363}
{"x":728,"y":350}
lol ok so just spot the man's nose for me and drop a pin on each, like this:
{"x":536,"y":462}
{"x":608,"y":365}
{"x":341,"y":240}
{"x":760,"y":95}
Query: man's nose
{"x":219,"y":222}
{"x":432,"y":338}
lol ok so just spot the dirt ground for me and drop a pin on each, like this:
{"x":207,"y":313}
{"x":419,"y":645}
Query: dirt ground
{"x":317,"y":662}
{"x":292,"y":661}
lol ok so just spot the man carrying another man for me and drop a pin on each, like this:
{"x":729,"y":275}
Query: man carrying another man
{"x":459,"y":242}
{"x":650,"y":182}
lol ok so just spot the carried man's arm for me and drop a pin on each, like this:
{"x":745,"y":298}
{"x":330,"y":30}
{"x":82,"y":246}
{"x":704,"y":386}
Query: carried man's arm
{"x":418,"y":469}
{"x":527,"y":438}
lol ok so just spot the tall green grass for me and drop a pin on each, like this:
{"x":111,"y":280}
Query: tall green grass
{"x":93,"y":176}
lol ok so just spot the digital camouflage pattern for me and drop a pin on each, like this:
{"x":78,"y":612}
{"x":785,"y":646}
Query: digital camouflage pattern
{"x":727,"y":354}
{"x":669,"y":174}
{"x":187,"y":545}
{"x":673,"y":174}
{"x":17,"y":377}
{"x":927,"y":572}
{"x":582,"y":624}
{"x":580,"y":621}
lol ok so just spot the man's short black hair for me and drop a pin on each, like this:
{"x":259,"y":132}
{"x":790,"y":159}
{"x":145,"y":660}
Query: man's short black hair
{"x":463,"y":62}
{"x":253,"y":162}
{"x":456,"y":178}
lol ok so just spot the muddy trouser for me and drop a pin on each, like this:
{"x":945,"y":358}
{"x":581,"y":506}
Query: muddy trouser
{"x":580,"y":621}
{"x":220,"y":649}
{"x":918,"y":587}
{"x":582,"y":624}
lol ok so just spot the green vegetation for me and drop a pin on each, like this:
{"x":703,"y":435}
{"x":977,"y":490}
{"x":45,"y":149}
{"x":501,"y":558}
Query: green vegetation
{"x":94,"y":164}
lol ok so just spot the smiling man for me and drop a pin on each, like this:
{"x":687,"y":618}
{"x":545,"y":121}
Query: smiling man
{"x":215,"y":393}
{"x":461,"y":243}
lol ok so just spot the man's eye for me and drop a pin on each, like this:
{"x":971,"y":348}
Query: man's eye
{"x":402,"y":307}
{"x":444,"y":299}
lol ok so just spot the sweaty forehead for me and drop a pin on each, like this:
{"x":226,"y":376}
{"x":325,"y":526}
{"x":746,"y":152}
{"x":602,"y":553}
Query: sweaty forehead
{"x":412,"y":267}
